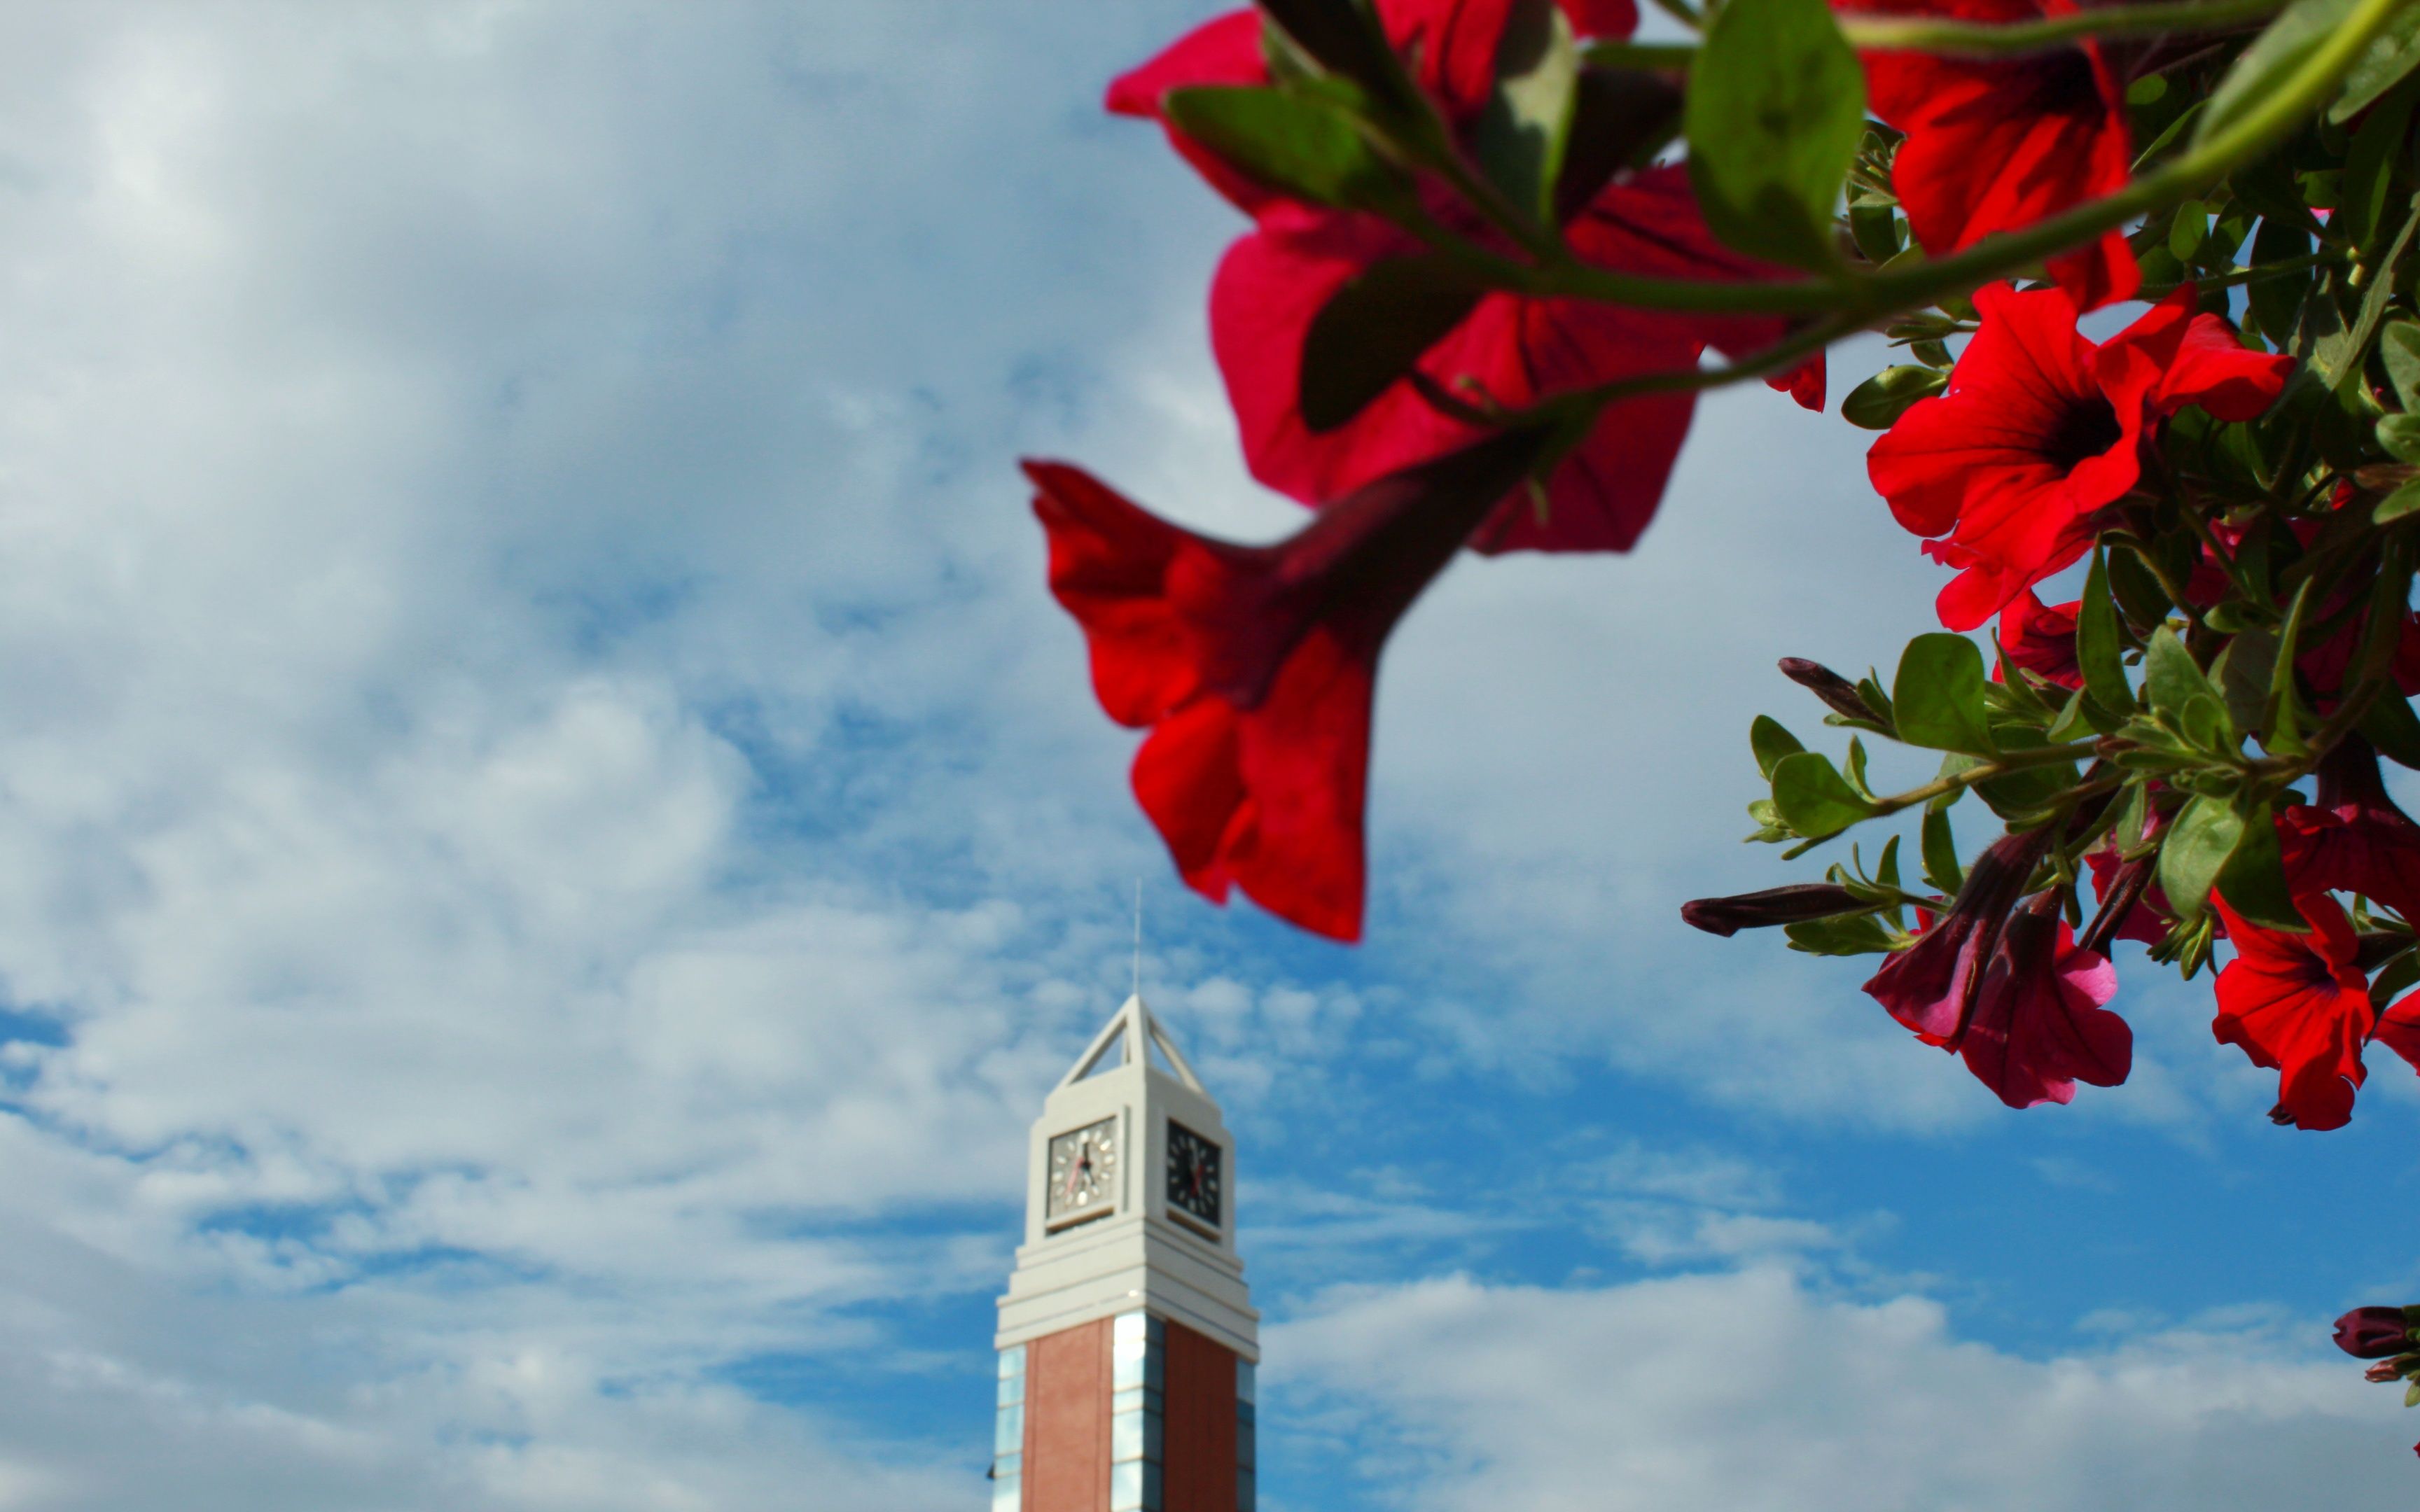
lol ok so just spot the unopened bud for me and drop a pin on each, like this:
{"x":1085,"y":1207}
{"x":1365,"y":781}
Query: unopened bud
{"x":1839,"y":694}
{"x":2386,"y":1370}
{"x":2373,"y":1332}
{"x":1792,"y":904}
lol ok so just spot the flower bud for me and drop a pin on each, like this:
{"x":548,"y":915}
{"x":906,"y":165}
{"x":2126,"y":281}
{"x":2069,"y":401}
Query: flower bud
{"x":2386,"y":1370}
{"x":1839,"y":694}
{"x":1774,"y":906}
{"x":2373,"y":1332}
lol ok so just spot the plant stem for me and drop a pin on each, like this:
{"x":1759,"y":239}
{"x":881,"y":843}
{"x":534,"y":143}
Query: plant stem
{"x":1926,"y":34}
{"x":2001,"y":765}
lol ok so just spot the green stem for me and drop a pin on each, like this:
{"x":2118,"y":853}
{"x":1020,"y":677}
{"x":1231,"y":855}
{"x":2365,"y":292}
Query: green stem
{"x":1921,"y":34}
{"x":1874,"y":295}
{"x":2015,"y":761}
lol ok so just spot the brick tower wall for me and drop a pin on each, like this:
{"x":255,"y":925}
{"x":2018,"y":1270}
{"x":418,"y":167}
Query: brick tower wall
{"x":1198,"y":1431}
{"x":1067,"y":1421}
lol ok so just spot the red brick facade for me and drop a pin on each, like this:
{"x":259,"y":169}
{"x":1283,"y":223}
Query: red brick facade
{"x":1067,"y":1421}
{"x":1199,"y":1431}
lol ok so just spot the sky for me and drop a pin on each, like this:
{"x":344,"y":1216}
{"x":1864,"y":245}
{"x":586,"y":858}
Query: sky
{"x":551,"y":842}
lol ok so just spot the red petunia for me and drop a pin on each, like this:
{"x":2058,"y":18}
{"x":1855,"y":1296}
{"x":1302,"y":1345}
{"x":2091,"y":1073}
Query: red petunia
{"x":1995,"y":144}
{"x":2041,"y":430}
{"x":1507,"y":352}
{"x":2299,"y":1005}
{"x":2038,"y":1027}
{"x":2353,"y":838}
{"x":1253,"y":666}
{"x":2040,"y":638}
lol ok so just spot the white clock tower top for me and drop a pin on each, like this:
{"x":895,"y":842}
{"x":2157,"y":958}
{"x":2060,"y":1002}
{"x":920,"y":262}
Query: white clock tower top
{"x":1129,"y":1197}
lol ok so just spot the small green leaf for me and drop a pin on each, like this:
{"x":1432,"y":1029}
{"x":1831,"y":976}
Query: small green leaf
{"x":2401,"y":436}
{"x":1770,"y":742}
{"x":1942,"y":872}
{"x":2136,"y":588}
{"x":1814,"y":799}
{"x":1937,"y":697}
{"x":2393,"y":55}
{"x":2396,"y":977}
{"x":2369,"y":167}
{"x":1886,"y":869}
{"x":2281,"y":714}
{"x":2099,"y":647}
{"x":2194,"y":851}
{"x":1374,"y":328}
{"x":2394,"y":730}
{"x":1297,"y":143}
{"x":2253,"y":881}
{"x":1523,"y":131}
{"x":1775,"y":109}
{"x":1878,"y":402}
{"x":2400,"y":345}
{"x":2412,"y":1395}
{"x":2170,"y":676}
{"x":2185,"y":232}
{"x":1842,"y":934}
{"x":2261,"y":69}
{"x":2277,"y":299}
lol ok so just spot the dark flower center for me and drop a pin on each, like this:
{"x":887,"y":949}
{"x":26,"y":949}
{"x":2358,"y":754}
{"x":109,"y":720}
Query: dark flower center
{"x":2087,"y":430}
{"x":2061,"y":84}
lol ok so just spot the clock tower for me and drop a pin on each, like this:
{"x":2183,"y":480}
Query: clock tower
{"x":1126,"y":1339}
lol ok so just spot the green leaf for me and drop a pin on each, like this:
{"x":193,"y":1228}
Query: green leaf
{"x":1886,"y":869}
{"x":2277,"y":299}
{"x":1937,"y":697}
{"x":2369,"y":167}
{"x":1814,"y":799}
{"x":1770,"y":742}
{"x":2394,"y":730}
{"x":2192,"y":222}
{"x":2397,"y":976}
{"x":2393,"y":53}
{"x":1777,"y":107}
{"x":2400,"y":344}
{"x":2401,"y":436}
{"x":2281,"y":716}
{"x":1374,"y":328}
{"x":1297,"y":143}
{"x":2244,"y":672}
{"x":2373,"y":302}
{"x":2099,"y":646}
{"x":2262,"y":67}
{"x":1878,"y":402}
{"x":1525,"y":127}
{"x":2136,"y":588}
{"x":2170,"y":676}
{"x":1942,"y":872}
{"x":2253,"y":881}
{"x":2397,"y":504}
{"x":2194,"y":851}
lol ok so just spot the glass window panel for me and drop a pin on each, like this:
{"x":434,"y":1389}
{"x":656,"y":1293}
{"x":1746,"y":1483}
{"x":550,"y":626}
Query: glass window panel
{"x":1012,"y":1361}
{"x":1151,"y":1438}
{"x":1245,"y":1436}
{"x":1244,"y":1382}
{"x":1245,"y":1413}
{"x":1129,"y":1400}
{"x":1135,"y":1326}
{"x":1246,"y":1493}
{"x":1151,"y":1402}
{"x":1008,"y":1465}
{"x":1125,"y":1486}
{"x":1125,"y":1437}
{"x":1012,"y":1391}
{"x":1008,"y":1435}
{"x":1151,"y":1486}
{"x":1007,"y":1493}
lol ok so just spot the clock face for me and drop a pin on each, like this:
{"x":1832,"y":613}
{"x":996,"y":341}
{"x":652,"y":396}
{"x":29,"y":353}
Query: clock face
{"x":1192,"y":1174}
{"x":1083,"y":1172}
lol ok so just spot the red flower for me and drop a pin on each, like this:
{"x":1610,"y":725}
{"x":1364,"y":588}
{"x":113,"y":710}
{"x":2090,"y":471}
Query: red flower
{"x":2040,"y":430}
{"x":2040,"y":638}
{"x":2354,"y":839}
{"x":1994,"y":145}
{"x":1507,"y":351}
{"x":2298,"y":1004}
{"x":1253,"y":666}
{"x":2037,"y":1027}
{"x":1931,"y":985}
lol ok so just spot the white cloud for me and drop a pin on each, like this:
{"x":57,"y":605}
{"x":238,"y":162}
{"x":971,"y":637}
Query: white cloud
{"x":1749,"y":1390}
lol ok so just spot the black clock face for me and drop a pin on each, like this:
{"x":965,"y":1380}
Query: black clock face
{"x":1193,"y":1174}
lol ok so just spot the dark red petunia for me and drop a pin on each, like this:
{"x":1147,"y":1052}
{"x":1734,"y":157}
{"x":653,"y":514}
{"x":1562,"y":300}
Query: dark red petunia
{"x":2040,"y":430}
{"x":1253,"y":666}
{"x":2299,"y":1005}
{"x":1995,"y":144}
{"x":2040,"y":638}
{"x":2037,"y":1027}
{"x":1931,"y":987}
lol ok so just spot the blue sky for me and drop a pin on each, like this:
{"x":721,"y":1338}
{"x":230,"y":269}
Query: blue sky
{"x":552,"y":841}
